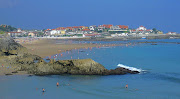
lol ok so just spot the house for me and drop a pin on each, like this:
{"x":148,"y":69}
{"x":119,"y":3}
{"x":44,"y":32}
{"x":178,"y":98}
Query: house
{"x":32,"y":34}
{"x":15,"y":34}
{"x":55,"y":32}
{"x":140,"y":31}
{"x":69,"y":28}
{"x":86,"y":30}
{"x":160,"y":32}
{"x":171,"y":33}
{"x":101,"y":28}
{"x":47,"y":31}
{"x":91,"y":28}
{"x":141,"y":28}
{"x":149,"y":31}
{"x":108,"y":26}
{"x":116,"y":29}
{"x":123,"y":27}
{"x":63,"y":32}
{"x":19,"y":30}
{"x":133,"y":31}
{"x":60,"y":28}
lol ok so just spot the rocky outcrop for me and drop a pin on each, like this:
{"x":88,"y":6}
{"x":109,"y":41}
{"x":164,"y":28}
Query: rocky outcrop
{"x":17,"y":56}
{"x":73,"y":67}
{"x":9,"y":47}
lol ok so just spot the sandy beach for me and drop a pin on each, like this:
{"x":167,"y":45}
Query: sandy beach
{"x":48,"y":47}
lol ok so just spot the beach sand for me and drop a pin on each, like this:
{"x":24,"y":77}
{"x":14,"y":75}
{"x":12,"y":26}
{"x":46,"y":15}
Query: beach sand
{"x":48,"y":47}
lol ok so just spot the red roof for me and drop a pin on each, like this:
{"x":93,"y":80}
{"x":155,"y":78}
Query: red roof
{"x":60,"y":28}
{"x":107,"y":26}
{"x":75,"y":26}
{"x":123,"y":26}
{"x":133,"y":30}
{"x":148,"y":30}
{"x":86,"y":30}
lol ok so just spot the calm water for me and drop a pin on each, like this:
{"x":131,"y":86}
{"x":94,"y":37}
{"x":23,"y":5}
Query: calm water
{"x":160,"y":81}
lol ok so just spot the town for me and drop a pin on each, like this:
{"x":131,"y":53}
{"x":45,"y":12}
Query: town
{"x":107,"y":31}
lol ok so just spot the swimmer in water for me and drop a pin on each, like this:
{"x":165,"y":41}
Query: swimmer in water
{"x":57,"y":84}
{"x":126,"y":86}
{"x":43,"y":90}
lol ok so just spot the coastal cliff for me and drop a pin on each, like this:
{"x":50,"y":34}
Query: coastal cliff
{"x":17,"y":58}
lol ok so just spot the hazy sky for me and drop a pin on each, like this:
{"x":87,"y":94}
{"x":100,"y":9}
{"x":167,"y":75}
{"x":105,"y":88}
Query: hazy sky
{"x":39,"y":14}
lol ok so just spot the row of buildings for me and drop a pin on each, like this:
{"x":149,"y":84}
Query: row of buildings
{"x":84,"y":31}
{"x":111,"y":29}
{"x":23,"y":33}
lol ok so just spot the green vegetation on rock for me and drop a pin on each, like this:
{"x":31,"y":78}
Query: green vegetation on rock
{"x":7,"y":28}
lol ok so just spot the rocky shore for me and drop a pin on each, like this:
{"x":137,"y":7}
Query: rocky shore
{"x":15,"y":58}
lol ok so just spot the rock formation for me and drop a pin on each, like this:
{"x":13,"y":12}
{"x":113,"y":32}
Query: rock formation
{"x":17,"y":56}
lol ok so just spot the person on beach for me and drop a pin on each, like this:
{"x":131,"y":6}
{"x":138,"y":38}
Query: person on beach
{"x":43,"y":90}
{"x":126,"y":86}
{"x":57,"y":84}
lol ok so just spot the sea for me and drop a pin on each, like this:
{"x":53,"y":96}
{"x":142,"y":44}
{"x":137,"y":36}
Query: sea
{"x":159,"y":77}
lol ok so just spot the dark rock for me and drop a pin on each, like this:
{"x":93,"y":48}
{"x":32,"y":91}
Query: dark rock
{"x":120,"y":70}
{"x":14,"y":72}
{"x":8,"y":74}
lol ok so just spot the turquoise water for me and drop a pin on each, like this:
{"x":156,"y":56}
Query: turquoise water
{"x":161,"y":79}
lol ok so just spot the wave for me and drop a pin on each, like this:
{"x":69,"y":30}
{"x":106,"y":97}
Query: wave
{"x":131,"y":68}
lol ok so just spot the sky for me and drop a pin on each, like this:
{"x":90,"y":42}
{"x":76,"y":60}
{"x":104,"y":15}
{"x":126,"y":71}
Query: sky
{"x":42,"y":14}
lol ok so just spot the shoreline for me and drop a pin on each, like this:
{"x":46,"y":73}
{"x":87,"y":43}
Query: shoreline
{"x":109,"y":38}
{"x":49,"y":47}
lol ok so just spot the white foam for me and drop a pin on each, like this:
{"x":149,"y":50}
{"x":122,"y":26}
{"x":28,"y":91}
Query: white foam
{"x":130,"y":68}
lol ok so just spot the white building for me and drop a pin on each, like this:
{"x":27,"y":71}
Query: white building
{"x":171,"y":33}
{"x":15,"y":34}
{"x":141,"y":28}
{"x":91,"y":28}
{"x":19,"y":30}
{"x":101,"y":28}
{"x":55,"y":32}
{"x":115,"y":28}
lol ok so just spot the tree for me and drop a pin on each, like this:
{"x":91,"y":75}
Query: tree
{"x":40,"y":34}
{"x":7,"y":28}
{"x":154,"y":30}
